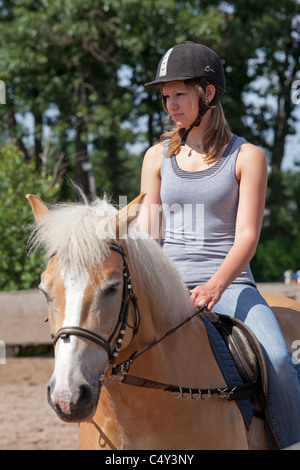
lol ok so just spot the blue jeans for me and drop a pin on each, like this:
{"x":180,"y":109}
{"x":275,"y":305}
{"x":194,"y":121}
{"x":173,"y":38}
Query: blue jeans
{"x":244,"y":302}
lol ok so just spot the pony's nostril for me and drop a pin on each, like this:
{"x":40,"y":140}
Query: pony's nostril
{"x":82,"y":398}
{"x":85,"y":395}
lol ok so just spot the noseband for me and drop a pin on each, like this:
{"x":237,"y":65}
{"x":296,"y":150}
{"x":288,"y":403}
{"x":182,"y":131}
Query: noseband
{"x":128,"y":296}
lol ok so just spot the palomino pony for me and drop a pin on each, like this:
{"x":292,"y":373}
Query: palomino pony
{"x":112,"y":297}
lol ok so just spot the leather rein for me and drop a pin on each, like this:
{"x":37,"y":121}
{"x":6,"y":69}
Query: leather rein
{"x":120,"y":371}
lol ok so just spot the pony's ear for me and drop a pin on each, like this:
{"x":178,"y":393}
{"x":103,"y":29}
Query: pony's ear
{"x":38,"y":207}
{"x":127,"y":214}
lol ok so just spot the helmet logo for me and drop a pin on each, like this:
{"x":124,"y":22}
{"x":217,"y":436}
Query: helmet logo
{"x":208,"y":69}
{"x":164,"y":63}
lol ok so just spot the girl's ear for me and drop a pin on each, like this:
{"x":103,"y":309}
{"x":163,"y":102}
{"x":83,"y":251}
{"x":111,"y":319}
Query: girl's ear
{"x":210,"y":92}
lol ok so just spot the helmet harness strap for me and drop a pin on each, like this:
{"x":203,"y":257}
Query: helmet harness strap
{"x":203,"y":108}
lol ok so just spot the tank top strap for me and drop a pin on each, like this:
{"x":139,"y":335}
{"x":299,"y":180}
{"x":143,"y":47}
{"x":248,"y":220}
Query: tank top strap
{"x":227,"y":159}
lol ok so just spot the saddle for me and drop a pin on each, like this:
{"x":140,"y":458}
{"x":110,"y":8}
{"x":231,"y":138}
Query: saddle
{"x":241,"y":360}
{"x":245,"y":350}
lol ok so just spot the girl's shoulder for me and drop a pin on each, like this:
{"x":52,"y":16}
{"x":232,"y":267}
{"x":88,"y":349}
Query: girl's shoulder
{"x":250,"y":157}
{"x":247,"y":148}
{"x":154,"y":156}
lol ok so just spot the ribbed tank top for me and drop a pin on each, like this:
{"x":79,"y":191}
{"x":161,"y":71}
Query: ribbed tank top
{"x":199,"y":215}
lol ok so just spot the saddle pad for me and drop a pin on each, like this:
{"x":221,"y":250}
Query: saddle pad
{"x":228,"y":369}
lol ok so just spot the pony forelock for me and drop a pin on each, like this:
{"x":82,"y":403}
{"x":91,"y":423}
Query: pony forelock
{"x":77,"y":233}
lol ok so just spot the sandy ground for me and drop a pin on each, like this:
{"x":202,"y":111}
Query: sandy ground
{"x":26,"y":420}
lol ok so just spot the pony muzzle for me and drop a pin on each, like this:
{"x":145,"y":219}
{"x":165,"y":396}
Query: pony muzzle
{"x":75,"y":403}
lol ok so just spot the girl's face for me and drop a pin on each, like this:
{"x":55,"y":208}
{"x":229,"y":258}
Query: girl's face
{"x":180,"y":103}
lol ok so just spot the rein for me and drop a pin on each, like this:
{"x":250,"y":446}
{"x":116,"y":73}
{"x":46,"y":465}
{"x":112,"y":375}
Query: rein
{"x":120,"y":372}
{"x":124,"y":366}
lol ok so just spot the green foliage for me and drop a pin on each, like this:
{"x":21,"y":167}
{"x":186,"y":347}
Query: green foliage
{"x":18,"y":270}
{"x":78,"y":69}
{"x":272,"y":258}
{"x":279,"y":246}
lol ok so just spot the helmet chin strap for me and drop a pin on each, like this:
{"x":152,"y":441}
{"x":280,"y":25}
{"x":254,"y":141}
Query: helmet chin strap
{"x":203,"y":108}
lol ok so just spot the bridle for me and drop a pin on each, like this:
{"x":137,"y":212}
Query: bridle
{"x":128,"y":296}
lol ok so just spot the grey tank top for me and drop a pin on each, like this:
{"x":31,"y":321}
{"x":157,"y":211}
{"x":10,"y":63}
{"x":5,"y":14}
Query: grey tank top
{"x":199,"y":215}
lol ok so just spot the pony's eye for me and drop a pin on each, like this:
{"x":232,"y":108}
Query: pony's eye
{"x":111,"y":288}
{"x":46,"y":293}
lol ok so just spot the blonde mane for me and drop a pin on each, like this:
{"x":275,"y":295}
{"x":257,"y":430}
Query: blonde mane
{"x":158,"y":275}
{"x":80,"y":235}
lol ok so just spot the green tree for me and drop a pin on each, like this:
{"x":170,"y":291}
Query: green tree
{"x":79,"y":71}
{"x":63,"y":60}
{"x":279,"y":246}
{"x":274,"y":69}
{"x":18,"y":178}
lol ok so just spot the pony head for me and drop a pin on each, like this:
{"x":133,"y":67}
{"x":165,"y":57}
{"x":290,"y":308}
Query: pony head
{"x":83,"y":284}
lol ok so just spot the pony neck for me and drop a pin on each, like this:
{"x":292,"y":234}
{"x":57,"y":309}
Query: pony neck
{"x":159,"y":288}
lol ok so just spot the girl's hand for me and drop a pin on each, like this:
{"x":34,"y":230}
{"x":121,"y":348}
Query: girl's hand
{"x":206,"y":295}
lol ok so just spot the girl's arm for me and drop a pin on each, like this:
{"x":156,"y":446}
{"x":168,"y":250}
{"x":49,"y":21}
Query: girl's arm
{"x":251,"y":170}
{"x":149,"y":218}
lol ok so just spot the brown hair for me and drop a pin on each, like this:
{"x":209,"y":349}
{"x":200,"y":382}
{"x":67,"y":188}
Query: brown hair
{"x":217,"y":133}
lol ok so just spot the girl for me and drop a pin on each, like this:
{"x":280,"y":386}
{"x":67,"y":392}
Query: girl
{"x":206,"y":187}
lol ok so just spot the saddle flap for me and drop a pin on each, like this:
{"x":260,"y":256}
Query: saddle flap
{"x":245,"y":349}
{"x":243,"y":355}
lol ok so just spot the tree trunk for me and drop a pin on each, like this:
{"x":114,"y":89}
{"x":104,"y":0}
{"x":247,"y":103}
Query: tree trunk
{"x":81,"y":156}
{"x":10,"y":119}
{"x":38,"y":130}
{"x":281,"y":128}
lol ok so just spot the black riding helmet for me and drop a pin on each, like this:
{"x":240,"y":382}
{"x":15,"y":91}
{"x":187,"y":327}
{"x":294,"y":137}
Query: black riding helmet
{"x":192,"y":61}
